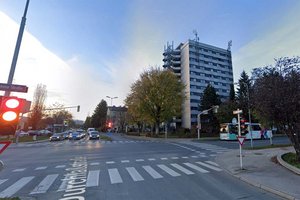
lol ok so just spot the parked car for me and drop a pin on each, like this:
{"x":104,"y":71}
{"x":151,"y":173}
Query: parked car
{"x":33,"y":132}
{"x":56,"y":137}
{"x":94,"y":135}
{"x":44,"y":132}
{"x":91,"y":129}
{"x":74,"y":136}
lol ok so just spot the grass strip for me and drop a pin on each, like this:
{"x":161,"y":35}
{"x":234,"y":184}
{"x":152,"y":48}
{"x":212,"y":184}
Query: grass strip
{"x":291,"y":158}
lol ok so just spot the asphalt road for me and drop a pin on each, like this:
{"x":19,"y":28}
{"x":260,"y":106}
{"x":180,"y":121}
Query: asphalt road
{"x":121,"y":169}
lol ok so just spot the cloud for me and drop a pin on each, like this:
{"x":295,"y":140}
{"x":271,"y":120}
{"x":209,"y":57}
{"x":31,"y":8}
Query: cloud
{"x":277,"y":42}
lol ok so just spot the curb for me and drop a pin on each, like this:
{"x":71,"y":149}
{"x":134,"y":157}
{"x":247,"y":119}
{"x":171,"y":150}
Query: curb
{"x":39,"y":141}
{"x":258,"y":185}
{"x":286,"y":165}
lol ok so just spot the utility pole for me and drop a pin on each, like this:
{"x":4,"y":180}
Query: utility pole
{"x":17,"y":49}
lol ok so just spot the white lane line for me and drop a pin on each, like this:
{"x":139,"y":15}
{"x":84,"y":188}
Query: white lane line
{"x":212,"y":163}
{"x":184,"y":170}
{"x":2,"y":181}
{"x":40,"y":168}
{"x":209,"y":166}
{"x":124,"y":161}
{"x":93,"y":178}
{"x":151,"y":159}
{"x":152,"y":172}
{"x":114,"y":176}
{"x":139,"y":160}
{"x":134,"y":174}
{"x":168,"y":170}
{"x":60,"y":166}
{"x":95,"y":163}
{"x":203,"y":156}
{"x":184,"y":157}
{"x":44,"y":184}
{"x":194,"y":156}
{"x":19,"y":170}
{"x":174,"y":158}
{"x":164,"y":158}
{"x":11,"y":190}
{"x":62,"y":186}
{"x":196,"y":167}
{"x":110,"y":162}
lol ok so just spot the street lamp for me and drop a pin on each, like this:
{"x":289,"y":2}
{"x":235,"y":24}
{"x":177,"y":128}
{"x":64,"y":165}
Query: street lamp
{"x":111,"y":99}
{"x":249,"y":112}
{"x":204,"y":112}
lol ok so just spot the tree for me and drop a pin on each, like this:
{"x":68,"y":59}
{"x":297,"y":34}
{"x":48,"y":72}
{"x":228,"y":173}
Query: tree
{"x":232,"y":93}
{"x":242,"y":94}
{"x":87,"y":123}
{"x":98,"y":119}
{"x":155,"y":97}
{"x":276,"y":97}
{"x":36,"y":114}
{"x":209,"y":98}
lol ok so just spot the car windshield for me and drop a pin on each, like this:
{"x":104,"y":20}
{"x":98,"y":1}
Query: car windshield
{"x":149,"y":99}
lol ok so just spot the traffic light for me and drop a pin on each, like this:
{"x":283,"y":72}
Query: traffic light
{"x":109,"y":124}
{"x":10,"y":108}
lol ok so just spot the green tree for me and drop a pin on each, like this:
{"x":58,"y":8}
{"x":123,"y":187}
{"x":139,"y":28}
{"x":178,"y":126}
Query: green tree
{"x":209,"y":122}
{"x":276,"y":97}
{"x":155,"y":97}
{"x":87,"y":123}
{"x":98,"y":119}
{"x":242,"y":94}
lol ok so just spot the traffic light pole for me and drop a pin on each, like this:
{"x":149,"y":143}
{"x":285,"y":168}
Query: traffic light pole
{"x":17,"y":49}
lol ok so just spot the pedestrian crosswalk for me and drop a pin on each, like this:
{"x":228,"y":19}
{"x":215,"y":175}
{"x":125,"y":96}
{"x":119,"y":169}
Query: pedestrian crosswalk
{"x":208,"y":147}
{"x":95,"y":177}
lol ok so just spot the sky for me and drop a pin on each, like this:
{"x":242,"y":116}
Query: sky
{"x":85,"y":50}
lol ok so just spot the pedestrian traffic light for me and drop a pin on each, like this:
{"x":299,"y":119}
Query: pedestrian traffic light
{"x":10,"y":108}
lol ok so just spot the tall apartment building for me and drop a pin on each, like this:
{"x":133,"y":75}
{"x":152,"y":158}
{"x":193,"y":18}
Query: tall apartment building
{"x":197,"y":65}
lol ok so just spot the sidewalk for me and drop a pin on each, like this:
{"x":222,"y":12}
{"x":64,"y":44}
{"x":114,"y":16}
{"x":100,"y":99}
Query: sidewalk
{"x":261,"y":172}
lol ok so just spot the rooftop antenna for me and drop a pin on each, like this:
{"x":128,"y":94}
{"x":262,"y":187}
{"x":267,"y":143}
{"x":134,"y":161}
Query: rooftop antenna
{"x":229,"y":45}
{"x":196,"y":35}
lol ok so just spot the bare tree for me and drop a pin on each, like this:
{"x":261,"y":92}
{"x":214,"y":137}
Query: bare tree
{"x":36,"y":114}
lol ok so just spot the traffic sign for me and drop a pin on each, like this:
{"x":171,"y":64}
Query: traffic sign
{"x":13,"y":88}
{"x":238,"y":111}
{"x":241,"y":139}
{"x":4,"y":145}
{"x":234,"y":121}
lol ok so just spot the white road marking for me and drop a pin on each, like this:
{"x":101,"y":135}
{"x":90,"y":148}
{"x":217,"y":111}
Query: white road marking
{"x":11,"y":190}
{"x":152,"y":172}
{"x":44,"y":184}
{"x":114,"y":176}
{"x":203,"y":156}
{"x":151,"y":159}
{"x":95,"y":163}
{"x":213,"y":155}
{"x":212,"y":163}
{"x":209,"y":166}
{"x":194,"y":156}
{"x":185,"y":157}
{"x":60,"y":166}
{"x":196,"y":167}
{"x":174,"y":158}
{"x":134,"y":174}
{"x":19,"y":170}
{"x":124,"y":161}
{"x":2,"y":181}
{"x":164,"y":158}
{"x":40,"y":168}
{"x":110,"y":162}
{"x":139,"y":160}
{"x":93,"y":178}
{"x":168,"y":170}
{"x":184,"y":170}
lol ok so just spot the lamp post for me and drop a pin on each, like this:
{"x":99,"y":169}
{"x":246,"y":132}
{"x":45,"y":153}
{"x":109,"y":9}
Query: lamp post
{"x":249,"y":112}
{"x":111,"y":99}
{"x":204,"y":112}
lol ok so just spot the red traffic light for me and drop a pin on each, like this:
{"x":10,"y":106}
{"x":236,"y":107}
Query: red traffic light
{"x":10,"y":108}
{"x":109,"y":124}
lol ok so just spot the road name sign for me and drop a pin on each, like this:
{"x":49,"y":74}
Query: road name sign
{"x":13,"y":88}
{"x":4,"y":145}
{"x":235,"y":112}
{"x":241,"y":139}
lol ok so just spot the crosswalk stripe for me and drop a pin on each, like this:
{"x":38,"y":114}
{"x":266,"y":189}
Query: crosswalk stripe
{"x":164,"y":158}
{"x":184,"y":170}
{"x":139,"y":160}
{"x":184,"y":157}
{"x":209,"y":166}
{"x":152,"y":172}
{"x":95,"y":163}
{"x":168,"y":170}
{"x":114,"y":176}
{"x":60,"y":166}
{"x":45,"y":184}
{"x":212,"y":163}
{"x":174,"y":158}
{"x":93,"y":178}
{"x":2,"y":181}
{"x":110,"y":162}
{"x":19,"y":170}
{"x":8,"y":192}
{"x":134,"y":174}
{"x":196,"y":167}
{"x":40,"y":168}
{"x":151,"y":159}
{"x":124,"y":161}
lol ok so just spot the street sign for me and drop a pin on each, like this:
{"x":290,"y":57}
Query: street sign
{"x":4,"y":145}
{"x":241,"y":139}
{"x":234,"y":121}
{"x":13,"y":88}
{"x":235,"y":112}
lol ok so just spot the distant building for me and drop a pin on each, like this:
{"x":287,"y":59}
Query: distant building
{"x":116,"y":117}
{"x":197,"y":65}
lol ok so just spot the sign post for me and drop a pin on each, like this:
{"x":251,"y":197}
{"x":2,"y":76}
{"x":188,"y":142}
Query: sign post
{"x":241,"y":141}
